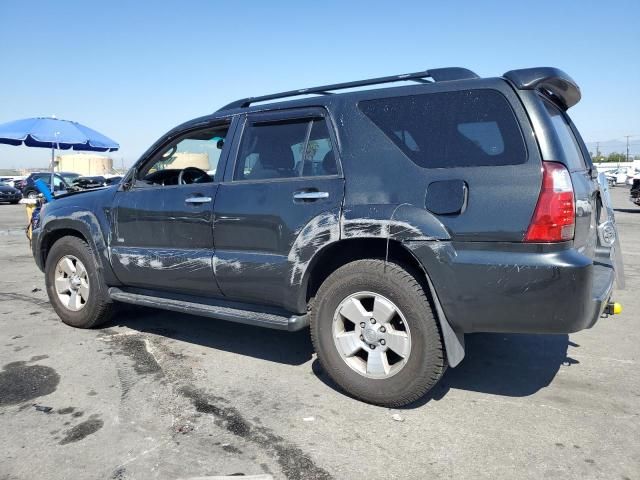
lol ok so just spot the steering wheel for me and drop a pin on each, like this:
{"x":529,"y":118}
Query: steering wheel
{"x":194,"y":174}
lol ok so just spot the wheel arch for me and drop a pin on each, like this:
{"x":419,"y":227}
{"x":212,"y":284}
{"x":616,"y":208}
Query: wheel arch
{"x":50,"y":238}
{"x":84,"y":227}
{"x":339,"y":253}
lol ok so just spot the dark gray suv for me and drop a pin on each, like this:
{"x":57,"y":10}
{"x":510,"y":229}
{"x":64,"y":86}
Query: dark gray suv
{"x":391,"y":221}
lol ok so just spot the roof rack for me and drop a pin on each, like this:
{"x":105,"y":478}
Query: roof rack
{"x":436,"y":75}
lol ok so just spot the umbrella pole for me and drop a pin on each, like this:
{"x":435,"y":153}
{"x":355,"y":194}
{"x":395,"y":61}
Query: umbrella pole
{"x":52,"y":169}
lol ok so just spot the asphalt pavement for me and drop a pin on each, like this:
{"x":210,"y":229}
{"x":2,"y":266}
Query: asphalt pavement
{"x":162,"y":395}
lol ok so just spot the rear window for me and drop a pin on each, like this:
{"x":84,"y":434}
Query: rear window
{"x":453,"y":129}
{"x":570,"y":145}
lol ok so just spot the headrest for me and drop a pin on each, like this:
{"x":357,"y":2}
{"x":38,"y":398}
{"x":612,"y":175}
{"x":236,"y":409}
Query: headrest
{"x":276,"y":156}
{"x":329,"y":163}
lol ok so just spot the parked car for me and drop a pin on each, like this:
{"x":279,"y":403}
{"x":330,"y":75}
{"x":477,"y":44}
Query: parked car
{"x":97,"y":181}
{"x":617,"y":176}
{"x":632,"y":174}
{"x":391,"y":221}
{"x":8,"y":194}
{"x":634,"y":193}
{"x":89,"y":182}
{"x":11,"y":180}
{"x":61,"y":182}
{"x":113,"y":180}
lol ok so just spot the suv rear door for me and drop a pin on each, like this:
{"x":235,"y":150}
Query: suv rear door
{"x":285,"y":175}
{"x":594,"y":213}
{"x":585,"y":187}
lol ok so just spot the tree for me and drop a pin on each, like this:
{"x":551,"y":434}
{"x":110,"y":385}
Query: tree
{"x":616,"y":157}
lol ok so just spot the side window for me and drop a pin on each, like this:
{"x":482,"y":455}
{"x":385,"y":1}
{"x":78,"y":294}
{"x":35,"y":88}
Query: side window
{"x":285,"y":149}
{"x":466,"y":128}
{"x":193,"y":158}
{"x":567,"y":139}
{"x":58,"y":183}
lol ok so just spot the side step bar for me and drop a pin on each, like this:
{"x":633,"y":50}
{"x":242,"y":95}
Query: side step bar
{"x":268,"y":320}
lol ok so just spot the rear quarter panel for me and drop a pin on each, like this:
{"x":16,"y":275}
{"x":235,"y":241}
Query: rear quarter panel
{"x":501,"y":199}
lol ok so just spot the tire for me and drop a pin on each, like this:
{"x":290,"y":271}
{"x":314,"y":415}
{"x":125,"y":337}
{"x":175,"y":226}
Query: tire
{"x":32,"y":194}
{"x":14,"y":202}
{"x":421,"y":367}
{"x":97,"y":307}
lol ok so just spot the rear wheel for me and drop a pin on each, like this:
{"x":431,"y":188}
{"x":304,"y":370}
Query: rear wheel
{"x":32,"y":194}
{"x":75,"y":288}
{"x":375,"y":333}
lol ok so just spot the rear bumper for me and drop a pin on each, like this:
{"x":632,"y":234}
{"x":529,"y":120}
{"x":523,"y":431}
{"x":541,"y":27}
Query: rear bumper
{"x":532,"y":291}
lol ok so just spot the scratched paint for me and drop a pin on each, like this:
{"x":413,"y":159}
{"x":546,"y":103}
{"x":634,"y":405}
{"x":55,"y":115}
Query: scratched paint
{"x":319,"y":232}
{"x":163,"y":259}
{"x":328,"y":228}
{"x":392,"y":229}
{"x":220,"y":263}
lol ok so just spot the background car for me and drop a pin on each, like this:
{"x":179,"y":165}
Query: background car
{"x":10,"y":180}
{"x":89,"y":182}
{"x":8,"y":194}
{"x":113,"y":180}
{"x":61,"y":182}
{"x":617,"y":176}
{"x":632,"y":174}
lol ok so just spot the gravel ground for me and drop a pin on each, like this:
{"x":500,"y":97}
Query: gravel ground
{"x":163,"y":395}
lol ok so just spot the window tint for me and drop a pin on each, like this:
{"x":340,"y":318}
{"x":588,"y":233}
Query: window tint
{"x":287,"y":149}
{"x":451,"y":129}
{"x":567,"y":139}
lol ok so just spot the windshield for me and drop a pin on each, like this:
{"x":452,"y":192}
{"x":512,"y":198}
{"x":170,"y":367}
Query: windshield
{"x":69,"y":177}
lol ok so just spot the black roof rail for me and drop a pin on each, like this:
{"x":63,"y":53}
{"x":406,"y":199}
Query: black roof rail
{"x":552,"y":82}
{"x":436,"y":75}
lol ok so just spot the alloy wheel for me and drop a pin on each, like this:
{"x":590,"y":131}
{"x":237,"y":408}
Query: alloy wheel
{"x":72,"y":283}
{"x":372,"y":335}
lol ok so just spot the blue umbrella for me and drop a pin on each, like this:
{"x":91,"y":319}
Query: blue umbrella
{"x":55,"y":133}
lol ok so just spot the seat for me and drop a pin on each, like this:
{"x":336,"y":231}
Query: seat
{"x":275,"y":160}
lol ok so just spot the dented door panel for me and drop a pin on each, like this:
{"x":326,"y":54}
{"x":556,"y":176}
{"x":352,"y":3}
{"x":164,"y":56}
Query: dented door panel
{"x":265,"y":240}
{"x":162,"y":242}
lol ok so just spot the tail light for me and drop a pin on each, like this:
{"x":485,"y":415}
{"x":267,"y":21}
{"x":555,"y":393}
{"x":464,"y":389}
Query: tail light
{"x":554,"y":217}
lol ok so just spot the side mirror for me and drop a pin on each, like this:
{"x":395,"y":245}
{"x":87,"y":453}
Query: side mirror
{"x":129,"y":180}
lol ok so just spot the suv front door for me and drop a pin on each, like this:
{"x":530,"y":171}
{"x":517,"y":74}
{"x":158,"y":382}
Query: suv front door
{"x":279,"y":203}
{"x":162,"y":220}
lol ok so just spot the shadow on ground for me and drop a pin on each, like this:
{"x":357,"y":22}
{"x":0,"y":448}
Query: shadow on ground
{"x":515,"y":365}
{"x":291,"y":348}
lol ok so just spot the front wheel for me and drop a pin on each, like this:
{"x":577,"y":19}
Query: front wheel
{"x":375,"y":333}
{"x":75,"y":288}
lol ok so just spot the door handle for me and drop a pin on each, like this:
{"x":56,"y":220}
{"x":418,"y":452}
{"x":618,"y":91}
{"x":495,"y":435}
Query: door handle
{"x":198,"y":200}
{"x":310,"y":195}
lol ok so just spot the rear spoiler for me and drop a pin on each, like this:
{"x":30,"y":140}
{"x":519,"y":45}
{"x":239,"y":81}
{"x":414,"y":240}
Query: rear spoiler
{"x":551,"y":82}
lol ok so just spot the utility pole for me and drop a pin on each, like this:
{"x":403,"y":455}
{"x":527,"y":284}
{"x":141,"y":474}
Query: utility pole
{"x":627,"y":137}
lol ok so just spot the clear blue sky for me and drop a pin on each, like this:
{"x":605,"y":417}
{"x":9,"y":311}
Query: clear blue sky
{"x":133,"y":70}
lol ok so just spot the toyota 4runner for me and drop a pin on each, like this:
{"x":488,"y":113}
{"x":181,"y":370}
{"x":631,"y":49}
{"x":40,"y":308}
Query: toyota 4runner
{"x":391,"y":221}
